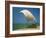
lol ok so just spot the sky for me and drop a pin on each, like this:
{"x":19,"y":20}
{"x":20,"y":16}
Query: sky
{"x":20,"y":18}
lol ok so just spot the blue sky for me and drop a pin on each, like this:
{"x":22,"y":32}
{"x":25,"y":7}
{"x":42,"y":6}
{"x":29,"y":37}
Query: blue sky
{"x":20,"y":18}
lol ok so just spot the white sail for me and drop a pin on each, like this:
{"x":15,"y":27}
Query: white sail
{"x":28,"y":14}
